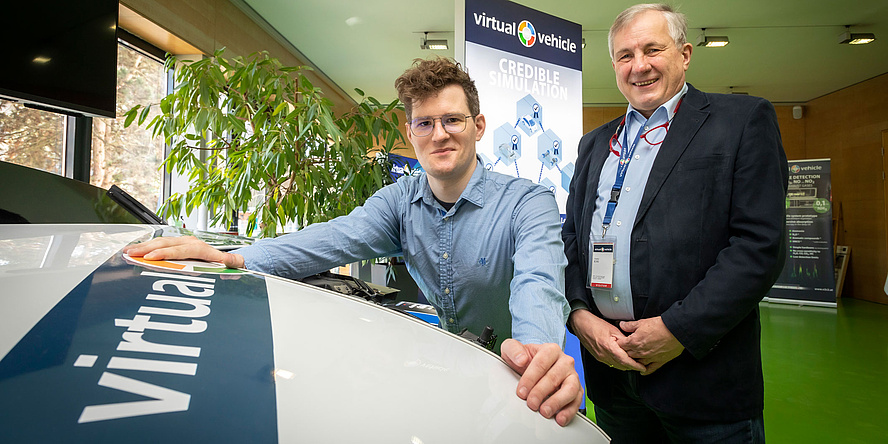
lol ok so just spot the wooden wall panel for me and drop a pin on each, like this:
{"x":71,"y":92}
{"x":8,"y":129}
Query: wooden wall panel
{"x":191,"y":21}
{"x":864,"y":228}
{"x":792,"y":132}
{"x":846,"y":126}
{"x":213,"y":24}
{"x":593,"y":117}
{"x":152,"y":33}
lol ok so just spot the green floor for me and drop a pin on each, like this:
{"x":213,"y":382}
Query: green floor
{"x":826,"y":373}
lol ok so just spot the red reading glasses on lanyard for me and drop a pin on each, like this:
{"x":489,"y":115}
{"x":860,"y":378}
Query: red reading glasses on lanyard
{"x":656,"y":133}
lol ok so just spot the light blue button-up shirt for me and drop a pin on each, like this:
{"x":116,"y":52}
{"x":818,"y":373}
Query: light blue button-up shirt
{"x":616,"y":303}
{"x":495,"y":258}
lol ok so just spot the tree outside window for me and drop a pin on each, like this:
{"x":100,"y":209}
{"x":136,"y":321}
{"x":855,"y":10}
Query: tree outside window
{"x":129,"y":157}
{"x":31,"y":137}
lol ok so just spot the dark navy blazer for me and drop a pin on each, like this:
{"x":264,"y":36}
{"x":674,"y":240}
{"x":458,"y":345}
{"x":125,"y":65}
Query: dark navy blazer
{"x":706,"y":246}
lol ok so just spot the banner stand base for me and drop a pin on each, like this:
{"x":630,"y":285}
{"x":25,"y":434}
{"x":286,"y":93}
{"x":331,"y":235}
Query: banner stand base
{"x":800,"y":302}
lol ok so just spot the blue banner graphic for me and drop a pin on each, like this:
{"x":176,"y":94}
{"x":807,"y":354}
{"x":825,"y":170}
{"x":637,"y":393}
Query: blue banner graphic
{"x":135,"y":354}
{"x":521,"y":30}
{"x":403,"y":166}
{"x":527,"y":66}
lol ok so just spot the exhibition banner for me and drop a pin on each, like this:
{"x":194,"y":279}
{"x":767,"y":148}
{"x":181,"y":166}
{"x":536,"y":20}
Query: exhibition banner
{"x":403,"y":166}
{"x":527,"y":66}
{"x":808,"y":276}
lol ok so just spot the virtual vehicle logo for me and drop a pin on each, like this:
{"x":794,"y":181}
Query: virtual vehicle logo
{"x":526,"y":33}
{"x":807,"y":168}
{"x":183,"y":265}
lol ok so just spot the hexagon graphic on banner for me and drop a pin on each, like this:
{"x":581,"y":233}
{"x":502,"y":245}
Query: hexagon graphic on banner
{"x":529,"y":115}
{"x":549,"y":149}
{"x":507,"y":144}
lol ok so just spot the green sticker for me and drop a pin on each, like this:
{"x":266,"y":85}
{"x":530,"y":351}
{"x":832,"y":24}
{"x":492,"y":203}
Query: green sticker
{"x":821,"y":205}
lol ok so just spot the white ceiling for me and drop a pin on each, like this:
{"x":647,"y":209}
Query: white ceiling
{"x":784,"y":50}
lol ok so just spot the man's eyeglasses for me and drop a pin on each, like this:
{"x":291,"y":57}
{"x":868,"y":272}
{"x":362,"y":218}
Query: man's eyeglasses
{"x":452,"y":123}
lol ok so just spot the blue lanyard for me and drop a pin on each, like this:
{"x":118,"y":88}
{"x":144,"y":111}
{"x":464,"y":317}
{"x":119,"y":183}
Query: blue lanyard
{"x":626,"y":152}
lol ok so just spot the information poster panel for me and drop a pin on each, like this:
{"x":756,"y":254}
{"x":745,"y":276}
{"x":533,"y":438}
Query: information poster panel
{"x":808,"y":276}
{"x":527,"y":66}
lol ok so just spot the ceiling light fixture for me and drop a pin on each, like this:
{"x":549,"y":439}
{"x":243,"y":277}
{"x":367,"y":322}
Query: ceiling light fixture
{"x":712,"y":41}
{"x":425,"y":43}
{"x":850,"y":38}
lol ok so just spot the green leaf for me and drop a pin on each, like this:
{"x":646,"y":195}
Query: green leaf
{"x":296,"y":140}
{"x":130,"y":116}
{"x":305,"y":84}
{"x":237,"y":125}
{"x":279,"y":108}
{"x":200,"y":123}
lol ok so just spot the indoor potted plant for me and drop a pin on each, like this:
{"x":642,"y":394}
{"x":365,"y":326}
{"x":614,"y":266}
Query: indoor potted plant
{"x":249,"y":129}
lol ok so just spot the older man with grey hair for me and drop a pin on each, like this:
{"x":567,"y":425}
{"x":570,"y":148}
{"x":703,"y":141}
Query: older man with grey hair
{"x":674,"y":233}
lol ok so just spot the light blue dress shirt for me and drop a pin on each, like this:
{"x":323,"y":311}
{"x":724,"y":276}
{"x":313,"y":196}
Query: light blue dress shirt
{"x":616,"y":303}
{"x":495,"y":258}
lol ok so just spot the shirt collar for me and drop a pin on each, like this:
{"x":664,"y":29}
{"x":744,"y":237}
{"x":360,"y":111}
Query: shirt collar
{"x":663,"y":113}
{"x":473,"y":193}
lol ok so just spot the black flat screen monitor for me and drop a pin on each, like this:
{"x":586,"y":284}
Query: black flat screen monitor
{"x":61,"y":55}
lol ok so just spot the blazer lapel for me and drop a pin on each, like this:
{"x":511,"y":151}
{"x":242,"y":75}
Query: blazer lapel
{"x":600,"y":151}
{"x":687,"y":121}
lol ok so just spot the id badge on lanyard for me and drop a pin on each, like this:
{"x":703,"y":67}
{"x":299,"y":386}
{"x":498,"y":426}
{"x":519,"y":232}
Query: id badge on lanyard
{"x":601,"y":261}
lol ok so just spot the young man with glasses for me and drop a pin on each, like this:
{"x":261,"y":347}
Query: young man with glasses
{"x":484,"y":248}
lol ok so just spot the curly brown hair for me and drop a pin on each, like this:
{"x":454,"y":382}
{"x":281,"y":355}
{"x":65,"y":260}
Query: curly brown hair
{"x":427,"y":77}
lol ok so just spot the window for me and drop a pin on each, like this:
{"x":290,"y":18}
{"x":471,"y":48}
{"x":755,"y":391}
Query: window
{"x":129,"y":157}
{"x":32,"y":137}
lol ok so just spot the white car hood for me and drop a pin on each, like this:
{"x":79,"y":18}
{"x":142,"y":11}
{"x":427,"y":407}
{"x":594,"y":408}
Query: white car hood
{"x":99,"y":347}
